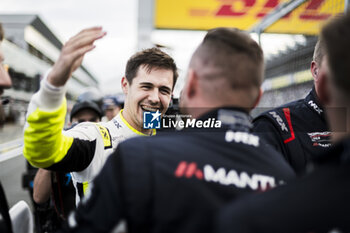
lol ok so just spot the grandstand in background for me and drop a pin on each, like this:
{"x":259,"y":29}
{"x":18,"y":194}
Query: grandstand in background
{"x":287,"y":74}
{"x":31,"y":49}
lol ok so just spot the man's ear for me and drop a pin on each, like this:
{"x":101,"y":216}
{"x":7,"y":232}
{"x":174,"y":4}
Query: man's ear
{"x":323,"y":85}
{"x":125,"y":85}
{"x":258,"y":97}
{"x":314,"y":70}
{"x":192,"y":84}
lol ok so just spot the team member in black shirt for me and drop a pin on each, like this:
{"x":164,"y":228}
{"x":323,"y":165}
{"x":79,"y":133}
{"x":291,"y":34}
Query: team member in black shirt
{"x":299,"y":129}
{"x":318,"y":202}
{"x":176,"y":182}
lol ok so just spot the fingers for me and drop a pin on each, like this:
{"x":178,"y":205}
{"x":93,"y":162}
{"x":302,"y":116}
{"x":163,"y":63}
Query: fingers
{"x":82,"y":51}
{"x":86,"y":31}
{"x":72,"y":54}
{"x":85,"y":49}
{"x":84,"y":38}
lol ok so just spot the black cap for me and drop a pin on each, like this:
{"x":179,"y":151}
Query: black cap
{"x":85,"y":105}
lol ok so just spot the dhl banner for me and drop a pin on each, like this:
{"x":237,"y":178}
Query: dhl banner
{"x":243,"y":14}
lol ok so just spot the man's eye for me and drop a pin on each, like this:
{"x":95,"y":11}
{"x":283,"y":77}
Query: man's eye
{"x":146,"y":87}
{"x":164,"y":91}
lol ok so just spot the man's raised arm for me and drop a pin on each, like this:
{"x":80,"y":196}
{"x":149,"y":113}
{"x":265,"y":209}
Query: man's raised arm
{"x":44,"y":143}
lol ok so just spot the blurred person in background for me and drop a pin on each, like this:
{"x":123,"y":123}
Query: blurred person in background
{"x":112,"y":105}
{"x":178,"y":181}
{"x":148,"y":83}
{"x":85,"y":111}
{"x":299,"y":130}
{"x":5,"y":82}
{"x":319,"y":201}
{"x":92,"y":95}
{"x":53,"y":192}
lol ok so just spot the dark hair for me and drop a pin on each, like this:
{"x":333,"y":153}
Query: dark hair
{"x":336,"y":37}
{"x":152,"y":58}
{"x":79,"y":106}
{"x":231,"y":54}
{"x":1,"y":32}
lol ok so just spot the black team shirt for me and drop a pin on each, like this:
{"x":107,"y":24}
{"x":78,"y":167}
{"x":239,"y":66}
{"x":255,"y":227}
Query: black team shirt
{"x":317,"y":202}
{"x":177,"y":182}
{"x":298,"y":130}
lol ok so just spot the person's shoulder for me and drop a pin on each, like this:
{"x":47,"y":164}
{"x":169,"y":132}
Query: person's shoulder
{"x":141,"y":151}
{"x":277,"y":117}
{"x":160,"y":139}
{"x":161,"y":146}
{"x":270,"y":121}
{"x":79,"y":129}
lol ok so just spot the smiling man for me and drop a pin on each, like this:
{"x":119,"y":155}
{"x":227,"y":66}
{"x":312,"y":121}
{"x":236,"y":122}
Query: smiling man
{"x":178,"y":182}
{"x":148,"y":83}
{"x":147,"y":88}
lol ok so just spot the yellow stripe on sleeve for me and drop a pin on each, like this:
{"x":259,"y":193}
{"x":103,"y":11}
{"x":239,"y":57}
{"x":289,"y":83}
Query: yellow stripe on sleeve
{"x":85,"y":187}
{"x":44,"y":143}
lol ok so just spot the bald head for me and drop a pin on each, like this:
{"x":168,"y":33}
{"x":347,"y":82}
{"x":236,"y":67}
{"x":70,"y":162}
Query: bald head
{"x":229,"y":64}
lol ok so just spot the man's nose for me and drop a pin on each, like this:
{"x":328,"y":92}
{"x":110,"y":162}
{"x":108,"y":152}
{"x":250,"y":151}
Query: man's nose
{"x":154,"y":96}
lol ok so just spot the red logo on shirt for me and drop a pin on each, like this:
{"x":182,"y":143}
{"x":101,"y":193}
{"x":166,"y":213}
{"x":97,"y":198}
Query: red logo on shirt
{"x":188,"y":170}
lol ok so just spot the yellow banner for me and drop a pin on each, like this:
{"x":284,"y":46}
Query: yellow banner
{"x":243,"y":14}
{"x":308,"y":18}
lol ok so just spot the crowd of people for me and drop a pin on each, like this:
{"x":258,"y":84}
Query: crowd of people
{"x":285,"y":171}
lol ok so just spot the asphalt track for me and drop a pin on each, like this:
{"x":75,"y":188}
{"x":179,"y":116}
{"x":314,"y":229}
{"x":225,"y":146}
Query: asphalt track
{"x":12,"y":167}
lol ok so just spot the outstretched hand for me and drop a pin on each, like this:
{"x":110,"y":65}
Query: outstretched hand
{"x":72,"y":55}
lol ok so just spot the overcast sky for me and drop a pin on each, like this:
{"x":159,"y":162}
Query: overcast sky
{"x":67,"y":17}
{"x":119,"y":18}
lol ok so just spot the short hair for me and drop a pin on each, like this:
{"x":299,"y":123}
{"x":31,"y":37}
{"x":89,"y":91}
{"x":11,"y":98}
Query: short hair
{"x":336,"y":37}
{"x":231,"y":54}
{"x":319,"y":51}
{"x":152,"y":58}
{"x":1,"y":32}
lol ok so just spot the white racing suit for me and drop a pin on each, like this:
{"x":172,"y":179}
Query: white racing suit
{"x":81,"y":150}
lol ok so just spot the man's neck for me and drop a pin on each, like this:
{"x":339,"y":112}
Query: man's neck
{"x":133,"y":124}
